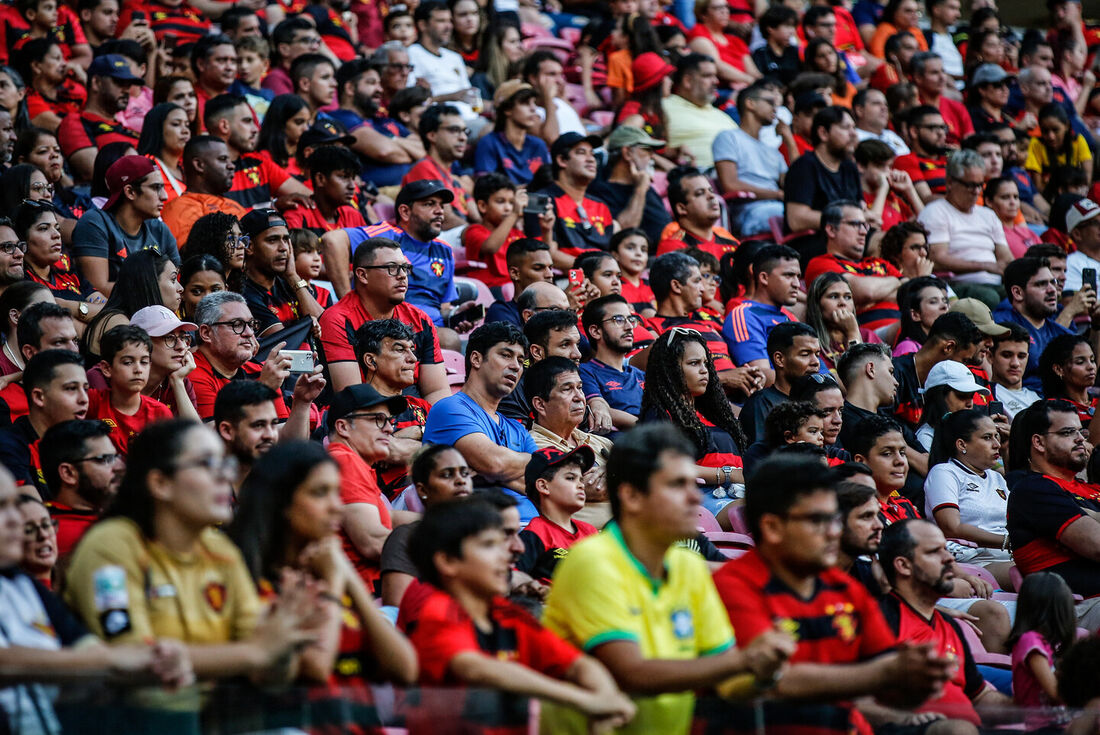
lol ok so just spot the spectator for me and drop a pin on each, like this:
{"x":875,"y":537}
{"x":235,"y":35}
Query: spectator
{"x":391,"y":60}
{"x":747,"y":327}
{"x":825,"y":394}
{"x":826,"y":174}
{"x":443,"y":71}
{"x":1032,"y":301}
{"x":696,"y":209}
{"x":926,"y":164}
{"x":778,"y":57}
{"x":444,"y":135}
{"x":630,"y":248}
{"x":207,"y":177}
{"x":214,"y":65}
{"x":898,"y":16}
{"x":1008,"y":358}
{"x":276,"y":295}
{"x":1057,"y":145}
{"x":85,"y":132}
{"x":127,"y":223}
{"x":872,"y":116}
{"x":888,"y":193}
{"x":964,"y":237}
{"x":988,"y":97}
{"x":749,"y":169}
{"x":609,"y":326}
{"x":512,"y":147}
{"x":921,"y":302}
{"x":500,"y":206}
{"x":544,"y":71}
{"x":581,"y":222}
{"x":598,"y":582}
{"x":35,"y":224}
{"x":929,"y":76}
{"x":793,"y":351}
{"x":200,"y":275}
{"x":1002,"y":195}
{"x":11,"y":256}
{"x":949,"y":387}
{"x":290,"y":39}
{"x":253,"y":62}
{"x":1065,"y":368}
{"x":692,"y":120}
{"x":626,"y":184}
{"x":381,"y":282}
{"x":333,"y":171}
{"x":529,"y":263}
{"x":42,"y":325}
{"x":164,"y":137}
{"x":710,"y":36}
{"x":246,"y":421}
{"x":82,"y":471}
{"x":496,"y":447}
{"x":942,"y":17}
{"x":314,"y":80}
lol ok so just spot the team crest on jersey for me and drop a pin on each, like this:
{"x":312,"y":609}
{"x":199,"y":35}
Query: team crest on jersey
{"x":110,"y":423}
{"x":418,"y":415}
{"x":682,"y":624}
{"x":437,"y":266}
{"x":843,"y":620}
{"x":254,"y":177}
{"x":214,"y":592}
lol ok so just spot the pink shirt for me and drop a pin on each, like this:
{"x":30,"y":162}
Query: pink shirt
{"x":1020,"y":238}
{"x":1025,"y":687}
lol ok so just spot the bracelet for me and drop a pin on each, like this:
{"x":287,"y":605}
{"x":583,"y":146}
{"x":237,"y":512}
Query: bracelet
{"x":1004,"y":542}
{"x":717,"y":475}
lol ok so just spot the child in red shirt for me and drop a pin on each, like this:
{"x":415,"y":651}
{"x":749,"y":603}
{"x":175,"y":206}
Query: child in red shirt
{"x":630,"y":248}
{"x":127,"y":353}
{"x":501,"y":209}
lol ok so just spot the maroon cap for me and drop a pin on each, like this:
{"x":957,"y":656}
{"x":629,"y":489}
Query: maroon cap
{"x":648,"y":70}
{"x":124,"y":171}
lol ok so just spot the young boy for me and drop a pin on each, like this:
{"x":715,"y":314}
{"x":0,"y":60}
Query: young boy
{"x":307,"y":262}
{"x":630,"y":248}
{"x":878,"y":442}
{"x":332,"y":171}
{"x":466,"y":633}
{"x":501,"y":209}
{"x":252,"y":64}
{"x":777,"y":57}
{"x":127,"y":353}
{"x":792,"y":422}
{"x":1009,"y":360}
{"x":555,"y":486}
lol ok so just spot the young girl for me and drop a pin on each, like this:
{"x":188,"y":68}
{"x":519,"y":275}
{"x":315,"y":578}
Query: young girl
{"x":1045,"y":627}
{"x":307,"y":262}
{"x":630,"y":247}
{"x":1057,"y":145}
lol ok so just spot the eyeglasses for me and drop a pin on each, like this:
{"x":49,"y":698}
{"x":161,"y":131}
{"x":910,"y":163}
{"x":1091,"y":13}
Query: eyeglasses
{"x":171,"y":340}
{"x":971,"y":185}
{"x":820,"y":521}
{"x":394,"y":269}
{"x":105,"y":460}
{"x":46,"y":526}
{"x":456,"y":129}
{"x":42,"y":186}
{"x":381,"y":420}
{"x":400,"y":67}
{"x":859,"y":224}
{"x":238,"y":325}
{"x":621,"y":321}
{"x":1070,"y":432}
{"x":225,"y":467}
{"x":9,"y":248}
{"x":238,"y":243}
{"x":308,"y":40}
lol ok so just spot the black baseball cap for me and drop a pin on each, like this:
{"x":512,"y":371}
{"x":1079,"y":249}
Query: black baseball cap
{"x":324,"y":132}
{"x":258,"y":220}
{"x":414,"y":191}
{"x":355,"y":397}
{"x":568,"y":141}
{"x":548,"y":457}
{"x":809,"y":101}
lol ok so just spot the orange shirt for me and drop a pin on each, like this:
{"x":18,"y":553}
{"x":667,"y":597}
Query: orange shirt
{"x":883,"y":33}
{"x":180,"y":213}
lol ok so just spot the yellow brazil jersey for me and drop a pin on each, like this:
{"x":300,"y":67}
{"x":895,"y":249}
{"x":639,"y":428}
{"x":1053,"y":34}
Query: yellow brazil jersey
{"x":601,"y":593}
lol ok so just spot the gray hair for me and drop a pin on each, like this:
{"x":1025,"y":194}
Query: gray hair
{"x":209,"y":309}
{"x":961,"y":160}
{"x":920,"y":61}
{"x":381,"y":55}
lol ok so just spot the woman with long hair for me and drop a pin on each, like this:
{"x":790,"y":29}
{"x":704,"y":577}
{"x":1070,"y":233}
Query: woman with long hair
{"x":164,"y":133}
{"x":1057,"y":145}
{"x":500,"y":57}
{"x":921,"y":301}
{"x":286,"y":119}
{"x":905,"y":246}
{"x":831,"y":311}
{"x":1070,"y":60}
{"x":1002,"y":195}
{"x":13,"y":97}
{"x":40,"y":147}
{"x":39,"y":540}
{"x":965,"y":494}
{"x":984,"y":47}
{"x":821,"y":56}
{"x":13,"y":301}
{"x":145,"y":278}
{"x":632,"y":37}
{"x":710,"y":36}
{"x":682,"y":387}
{"x":1067,"y":369}
{"x":179,"y":91}
{"x":289,"y":519}
{"x":469,"y":27}
{"x":219,"y":235}
{"x":199,"y":275}
{"x":23,"y":181}
{"x":161,"y":532}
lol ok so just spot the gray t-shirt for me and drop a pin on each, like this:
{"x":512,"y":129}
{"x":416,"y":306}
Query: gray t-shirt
{"x":98,"y":235}
{"x":757,"y":164}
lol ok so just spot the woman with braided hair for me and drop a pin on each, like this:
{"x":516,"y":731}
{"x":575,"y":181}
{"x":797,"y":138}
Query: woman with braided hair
{"x":682,"y":387}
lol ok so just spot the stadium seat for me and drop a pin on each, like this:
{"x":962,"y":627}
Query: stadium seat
{"x":706,"y":522}
{"x":977,"y":650}
{"x":980,"y":572}
{"x":726,"y":540}
{"x":456,"y":367}
{"x":736,"y":516}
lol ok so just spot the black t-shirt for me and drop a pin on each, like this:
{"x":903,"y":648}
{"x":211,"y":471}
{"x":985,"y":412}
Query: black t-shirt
{"x":617,"y":196}
{"x":756,"y":410}
{"x":809,"y":182}
{"x":908,"y":402}
{"x":784,"y":68}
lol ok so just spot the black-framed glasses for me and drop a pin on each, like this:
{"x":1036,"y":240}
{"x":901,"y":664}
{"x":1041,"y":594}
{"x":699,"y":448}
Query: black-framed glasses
{"x":238,"y":243}
{"x":1069,"y":432}
{"x":820,"y":521}
{"x":381,"y":420}
{"x":171,"y":340}
{"x":9,"y":248}
{"x":621,"y":321}
{"x":941,"y":128}
{"x":238,"y":325}
{"x":400,"y":67}
{"x":822,"y":379}
{"x":46,"y":526}
{"x":226,"y":467}
{"x":106,"y":460}
{"x":858,"y":224}
{"x":394,"y":269}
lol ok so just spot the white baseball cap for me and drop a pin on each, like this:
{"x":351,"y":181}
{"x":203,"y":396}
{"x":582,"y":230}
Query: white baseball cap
{"x":954,"y":374}
{"x":158,"y":321}
{"x":1081,"y":211}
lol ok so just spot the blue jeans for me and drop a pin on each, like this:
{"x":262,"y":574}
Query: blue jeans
{"x":751,"y":218}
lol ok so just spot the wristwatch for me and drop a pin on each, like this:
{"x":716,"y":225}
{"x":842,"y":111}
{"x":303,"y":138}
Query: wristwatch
{"x":83,"y":310}
{"x":727,"y":471}
{"x":301,"y":284}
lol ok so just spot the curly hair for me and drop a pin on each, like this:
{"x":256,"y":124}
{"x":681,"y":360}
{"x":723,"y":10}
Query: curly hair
{"x":207,"y":237}
{"x":665,"y":391}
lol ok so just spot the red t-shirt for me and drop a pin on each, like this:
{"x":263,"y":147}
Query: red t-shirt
{"x":207,"y":382}
{"x":310,"y":218}
{"x":256,"y":180}
{"x":708,"y":327}
{"x":13,"y":403}
{"x":874,"y":316}
{"x":85,"y":130}
{"x":804,"y":147}
{"x":123,"y":426}
{"x":639,"y":296}
{"x":897,"y":508}
{"x":358,"y":484}
{"x":426,"y":168}
{"x":733,"y":52}
{"x":497,"y":273}
{"x":932,"y":171}
{"x":341,"y":320}
{"x":895,"y":209}
{"x":675,"y":237}
{"x":70,"y":100}
{"x":184,"y":22}
{"x":545,"y":543}
{"x":959,"y":124}
{"x":71,"y":525}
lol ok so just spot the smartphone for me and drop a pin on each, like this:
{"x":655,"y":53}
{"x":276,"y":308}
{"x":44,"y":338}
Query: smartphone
{"x":472,"y":314}
{"x":301,"y":361}
{"x":995,"y":408}
{"x":576,"y":277}
{"x":1088,"y":278}
{"x":536,"y":207}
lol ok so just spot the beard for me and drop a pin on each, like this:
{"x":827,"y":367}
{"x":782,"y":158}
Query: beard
{"x":366,"y":104}
{"x":941,"y":585}
{"x":100,"y":497}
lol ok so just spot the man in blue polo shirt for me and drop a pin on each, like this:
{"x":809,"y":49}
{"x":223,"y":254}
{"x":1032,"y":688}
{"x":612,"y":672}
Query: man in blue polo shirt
{"x":609,"y":325}
{"x":1032,"y":303}
{"x":776,"y":275}
{"x":497,"y":448}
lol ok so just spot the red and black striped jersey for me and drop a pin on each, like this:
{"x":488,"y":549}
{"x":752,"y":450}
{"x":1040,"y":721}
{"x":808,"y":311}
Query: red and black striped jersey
{"x":256,"y":180}
{"x":182,"y":21}
{"x":88,"y":130}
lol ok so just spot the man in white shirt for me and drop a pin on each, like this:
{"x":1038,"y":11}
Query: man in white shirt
{"x":443,"y":71}
{"x":1008,"y":358}
{"x":942,"y":16}
{"x":1083,"y":226}
{"x":543,"y":71}
{"x":873,"y":118}
{"x":693,"y":121}
{"x":966,"y":239}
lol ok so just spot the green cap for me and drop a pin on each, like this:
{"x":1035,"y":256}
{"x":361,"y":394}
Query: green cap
{"x":625,"y":136}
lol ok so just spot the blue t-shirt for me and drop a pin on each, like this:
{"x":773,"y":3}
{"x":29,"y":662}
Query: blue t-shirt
{"x":622,"y":390}
{"x":1040,"y":338}
{"x":504,"y":311}
{"x":495,"y":154}
{"x":456,"y":416}
{"x":867,"y":12}
{"x":747,"y":327}
{"x":432,"y":281}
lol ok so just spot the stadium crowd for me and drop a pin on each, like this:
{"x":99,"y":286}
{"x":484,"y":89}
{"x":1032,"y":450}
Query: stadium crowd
{"x":695,"y":367}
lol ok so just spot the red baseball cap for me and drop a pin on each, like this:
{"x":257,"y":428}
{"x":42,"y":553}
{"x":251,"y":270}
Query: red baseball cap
{"x":122,"y":172}
{"x":649,"y":69}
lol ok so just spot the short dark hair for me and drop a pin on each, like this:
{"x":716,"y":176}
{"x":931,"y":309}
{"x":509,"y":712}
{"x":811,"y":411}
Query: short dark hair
{"x":894,"y":239}
{"x":827,"y":118}
{"x":788,"y":416}
{"x":873,"y":151}
{"x":1046,"y":250}
{"x":754,"y":90}
{"x":235,"y":395}
{"x":856,"y":357}
{"x":364,"y":251}
{"x":770,"y":256}
{"x":833,"y":212}
{"x":538,"y":328}
{"x":196,"y":146}
{"x":807,"y":387}
{"x":116,"y":338}
{"x":915,"y":115}
{"x":350,"y":71}
{"x":541,"y":377}
{"x":285,"y":30}
{"x":41,"y":369}
{"x":405,"y":99}
{"x":28,"y":330}
{"x":636,"y":456}
{"x":204,"y":47}
{"x":67,"y":442}
{"x":305,"y":65}
{"x":221,"y":106}
{"x":775,"y":16}
{"x":782,"y":336}
{"x":521,"y":248}
{"x":815,"y":13}
{"x":1015,"y":333}
{"x":488,"y":336}
{"x":868,"y":431}
{"x":897,"y":541}
{"x":850,"y":495}
{"x":424,"y":10}
{"x":490,"y":184}
{"x":590,"y":260}
{"x":432,"y":118}
{"x":1035,"y":419}
{"x":676,"y":194}
{"x":955,"y":325}
{"x":1078,"y":674}
{"x":1022,"y":270}
{"x":688,"y":64}
{"x":672,"y":266}
{"x":368,"y":338}
{"x":532,"y":63}
{"x":329,"y":159}
{"x":444,"y":527}
{"x":778,"y":482}
{"x":596,"y":311}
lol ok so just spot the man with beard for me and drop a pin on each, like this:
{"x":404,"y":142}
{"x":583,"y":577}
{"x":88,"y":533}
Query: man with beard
{"x":214,"y":64}
{"x":445,"y":135}
{"x":693,"y":122}
{"x":929,"y":77}
{"x":443,"y":71}
{"x":7,"y":138}
{"x":1032,"y":304}
{"x":860,"y":531}
{"x":926,"y":163}
{"x":918,"y":566}
{"x":208,"y":174}
{"x":789,"y":579}
{"x":83,"y":134}
{"x":11,"y":255}
{"x":381,"y":282}
{"x":873,"y":120}
{"x":581,"y":222}
{"x":1052,"y":516}
{"x":776,"y":287}
{"x":82,"y":470}
{"x":391,"y":61}
{"x":793,"y":351}
{"x":245,"y":419}
{"x":257,"y":180}
{"x":696,"y":210}
{"x":826,"y":174}
{"x":626,"y":183}
{"x":275,"y":293}
{"x":609,"y":325}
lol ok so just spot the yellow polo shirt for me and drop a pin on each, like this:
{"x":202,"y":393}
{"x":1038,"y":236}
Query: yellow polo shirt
{"x":601,"y":593}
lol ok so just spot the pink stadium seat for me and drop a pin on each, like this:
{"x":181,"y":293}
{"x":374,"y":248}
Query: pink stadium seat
{"x":572,"y":35}
{"x":736,"y":515}
{"x":384,"y":210}
{"x":603,"y":118}
{"x":726,"y":540}
{"x":982,"y":656}
{"x":455,"y":364}
{"x":980,"y":572}
{"x":706,"y":522}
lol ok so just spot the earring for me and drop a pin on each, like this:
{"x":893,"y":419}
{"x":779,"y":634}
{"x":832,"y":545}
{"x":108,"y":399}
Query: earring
{"x":964,"y":451}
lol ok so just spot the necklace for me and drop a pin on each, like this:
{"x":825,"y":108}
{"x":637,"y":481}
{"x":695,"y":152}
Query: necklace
{"x":15,"y":361}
